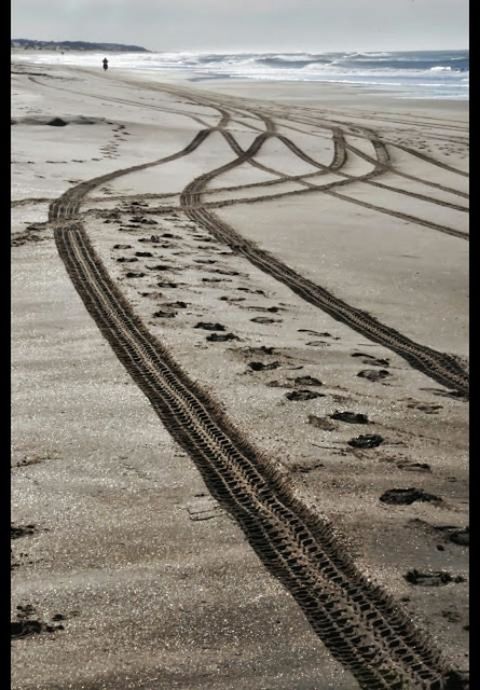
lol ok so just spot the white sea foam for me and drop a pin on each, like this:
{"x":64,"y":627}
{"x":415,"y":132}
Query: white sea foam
{"x":437,"y":73}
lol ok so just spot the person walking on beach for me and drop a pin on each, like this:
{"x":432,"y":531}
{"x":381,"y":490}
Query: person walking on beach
{"x":105,"y":64}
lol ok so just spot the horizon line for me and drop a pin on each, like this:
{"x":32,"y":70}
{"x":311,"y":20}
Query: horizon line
{"x":249,"y":50}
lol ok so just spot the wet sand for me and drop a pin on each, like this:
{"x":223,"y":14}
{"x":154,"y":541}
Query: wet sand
{"x":118,"y":538}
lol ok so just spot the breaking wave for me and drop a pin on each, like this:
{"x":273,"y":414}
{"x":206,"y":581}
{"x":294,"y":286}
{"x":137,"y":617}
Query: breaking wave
{"x":420,"y":74}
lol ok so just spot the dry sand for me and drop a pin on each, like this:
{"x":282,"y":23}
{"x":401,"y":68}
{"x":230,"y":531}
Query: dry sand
{"x":116,"y":533}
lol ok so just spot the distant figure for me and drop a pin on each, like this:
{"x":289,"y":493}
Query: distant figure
{"x":105,"y":64}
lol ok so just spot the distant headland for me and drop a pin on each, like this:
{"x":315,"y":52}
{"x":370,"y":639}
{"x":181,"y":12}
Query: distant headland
{"x":28,"y":43}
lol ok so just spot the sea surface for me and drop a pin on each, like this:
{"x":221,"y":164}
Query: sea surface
{"x":413,"y":74}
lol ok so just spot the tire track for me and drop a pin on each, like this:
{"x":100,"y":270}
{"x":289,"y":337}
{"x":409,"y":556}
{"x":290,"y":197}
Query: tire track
{"x":212,"y":100}
{"x":281,"y":180}
{"x":67,"y":205}
{"x":441,"y":124}
{"x":339,"y":160}
{"x":429,"y":159}
{"x":337,"y":163}
{"x":416,"y":195}
{"x":361,"y":625}
{"x":402,"y":216}
{"x":340,"y":150}
{"x":430,"y":121}
{"x":379,"y":168}
{"x":222,"y":203}
{"x":441,"y":367}
{"x":400,"y":173}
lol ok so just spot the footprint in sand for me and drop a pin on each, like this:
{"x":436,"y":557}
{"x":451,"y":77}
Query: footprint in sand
{"x":366,"y":441}
{"x":407,"y":496}
{"x":432,"y":578}
{"x":221,"y":337}
{"x":449,"y":533}
{"x":151,"y":295}
{"x":325,"y":334}
{"x":207,"y":326}
{"x":413,"y":466}
{"x":28,"y":623}
{"x":428,"y":408}
{"x":167,"y":284}
{"x":161,"y":245}
{"x":304,"y":468}
{"x":321,"y":423}
{"x":176,"y":305}
{"x":265,"y":320}
{"x":271,"y":310}
{"x":461,"y":537}
{"x":261,"y":350}
{"x":371,"y":360}
{"x":307,"y":381}
{"x":18,"y":531}
{"x":160,"y":314}
{"x":456,"y":395}
{"x":303,"y":394}
{"x":160,"y":267}
{"x":373,"y":374}
{"x":260,"y":366}
{"x":255,"y":292}
{"x":451,"y":616}
{"x":227,"y":273}
{"x":350,"y":417}
{"x":232,"y":299}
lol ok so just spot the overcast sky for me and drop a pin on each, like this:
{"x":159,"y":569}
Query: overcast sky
{"x":230,"y":25}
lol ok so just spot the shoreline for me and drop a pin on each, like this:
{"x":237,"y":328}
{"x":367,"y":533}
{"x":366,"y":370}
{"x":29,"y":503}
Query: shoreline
{"x":387,"y":91}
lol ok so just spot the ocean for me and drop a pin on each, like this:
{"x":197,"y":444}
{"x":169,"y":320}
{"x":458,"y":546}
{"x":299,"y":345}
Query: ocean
{"x":414,"y":74}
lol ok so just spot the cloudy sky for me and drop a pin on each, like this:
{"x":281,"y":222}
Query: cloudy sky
{"x":230,"y":25}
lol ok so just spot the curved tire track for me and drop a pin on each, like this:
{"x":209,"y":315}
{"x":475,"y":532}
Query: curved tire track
{"x":361,"y":625}
{"x":438,"y":366}
{"x":340,"y":154}
{"x":441,"y":367}
{"x":357,"y":621}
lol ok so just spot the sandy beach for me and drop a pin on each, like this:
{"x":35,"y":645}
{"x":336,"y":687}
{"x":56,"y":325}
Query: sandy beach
{"x":239,"y":385}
